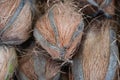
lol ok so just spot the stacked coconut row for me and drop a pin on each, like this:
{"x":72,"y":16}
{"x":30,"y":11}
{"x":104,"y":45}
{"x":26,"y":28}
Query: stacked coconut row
{"x":15,"y":27}
{"x":62,"y":40}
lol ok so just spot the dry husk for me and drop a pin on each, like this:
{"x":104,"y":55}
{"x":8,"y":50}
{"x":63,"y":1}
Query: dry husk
{"x":35,"y":66}
{"x":8,"y":62}
{"x":92,"y":7}
{"x":59,"y":31}
{"x":97,"y":58}
{"x":15,"y":21}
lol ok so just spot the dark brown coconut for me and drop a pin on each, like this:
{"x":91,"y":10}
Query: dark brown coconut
{"x":15,"y":21}
{"x":97,"y":57}
{"x":60,"y":30}
{"x":36,"y":66}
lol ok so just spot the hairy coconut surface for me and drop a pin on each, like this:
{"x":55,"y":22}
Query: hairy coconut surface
{"x":97,"y":56}
{"x":7,"y":8}
{"x":92,"y":8}
{"x":15,"y":21}
{"x":27,"y":69}
{"x":60,"y":30}
{"x":36,"y":66}
{"x":8,"y":62}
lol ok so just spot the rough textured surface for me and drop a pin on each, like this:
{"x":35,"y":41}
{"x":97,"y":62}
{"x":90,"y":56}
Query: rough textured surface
{"x":93,"y":8}
{"x":15,"y":28}
{"x":36,"y":66}
{"x":8,"y":62}
{"x":8,"y":11}
{"x":96,"y":51}
{"x":59,"y":31}
{"x":96,"y":58}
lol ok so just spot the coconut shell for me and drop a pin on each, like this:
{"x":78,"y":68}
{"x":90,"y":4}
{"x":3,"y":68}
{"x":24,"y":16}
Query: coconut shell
{"x":60,"y":30}
{"x":35,"y":66}
{"x":8,"y":62}
{"x":96,"y":59}
{"x":15,"y":21}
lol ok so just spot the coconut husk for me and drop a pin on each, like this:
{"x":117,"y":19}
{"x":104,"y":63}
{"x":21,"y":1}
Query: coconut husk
{"x":27,"y":69}
{"x":93,"y":8}
{"x":97,"y":57}
{"x":8,"y":62}
{"x":86,"y":8}
{"x":15,"y":21}
{"x":60,"y":30}
{"x":36,"y":66}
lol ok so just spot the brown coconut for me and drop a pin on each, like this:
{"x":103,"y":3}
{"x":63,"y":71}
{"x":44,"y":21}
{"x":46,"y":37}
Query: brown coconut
{"x":60,"y":30}
{"x":15,"y":21}
{"x":36,"y":66}
{"x":96,"y":59}
{"x":8,"y":62}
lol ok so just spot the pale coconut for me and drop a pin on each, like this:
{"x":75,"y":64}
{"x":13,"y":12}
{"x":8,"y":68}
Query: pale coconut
{"x":8,"y":62}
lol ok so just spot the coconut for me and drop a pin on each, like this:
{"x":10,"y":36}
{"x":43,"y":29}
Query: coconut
{"x":59,"y":31}
{"x":96,"y":59}
{"x":36,"y":66}
{"x":8,"y":62}
{"x":15,"y":21}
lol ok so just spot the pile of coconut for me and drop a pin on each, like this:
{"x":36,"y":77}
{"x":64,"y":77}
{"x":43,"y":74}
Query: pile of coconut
{"x":59,"y":40}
